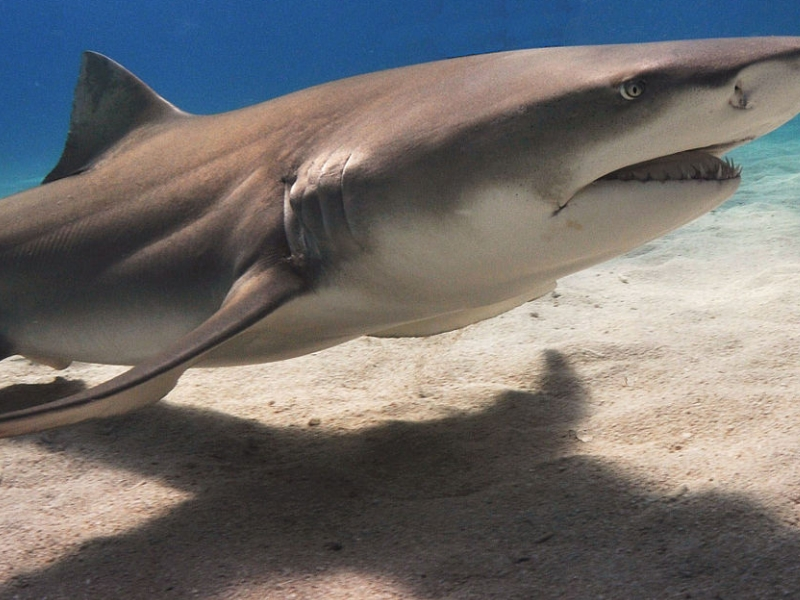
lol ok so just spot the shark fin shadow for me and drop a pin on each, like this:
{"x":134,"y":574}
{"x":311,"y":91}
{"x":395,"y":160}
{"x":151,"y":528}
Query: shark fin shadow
{"x":20,"y":396}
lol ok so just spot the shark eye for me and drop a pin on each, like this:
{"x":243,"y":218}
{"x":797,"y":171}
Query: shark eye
{"x":632,"y":89}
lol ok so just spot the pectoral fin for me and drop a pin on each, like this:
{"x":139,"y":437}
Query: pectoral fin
{"x":254,"y":296}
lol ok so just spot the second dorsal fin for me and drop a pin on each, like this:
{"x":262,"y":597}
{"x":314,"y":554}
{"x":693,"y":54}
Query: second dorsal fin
{"x":109,"y":103}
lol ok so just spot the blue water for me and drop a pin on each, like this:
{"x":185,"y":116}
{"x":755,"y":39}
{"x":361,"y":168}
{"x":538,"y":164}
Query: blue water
{"x":209,"y":56}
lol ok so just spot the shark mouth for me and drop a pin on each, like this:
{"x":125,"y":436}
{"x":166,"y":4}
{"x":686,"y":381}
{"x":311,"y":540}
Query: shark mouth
{"x":692,"y":165}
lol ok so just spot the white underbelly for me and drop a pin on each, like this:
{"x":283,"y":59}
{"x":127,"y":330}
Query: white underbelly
{"x":337,"y":314}
{"x":307,"y":324}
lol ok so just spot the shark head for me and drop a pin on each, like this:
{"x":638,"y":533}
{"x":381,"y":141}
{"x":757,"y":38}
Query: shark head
{"x":662,"y":111}
{"x":648,"y":127}
{"x":532,"y":165}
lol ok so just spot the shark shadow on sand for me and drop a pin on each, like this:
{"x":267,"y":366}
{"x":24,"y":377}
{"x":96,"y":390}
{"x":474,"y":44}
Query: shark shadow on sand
{"x":498,"y":503}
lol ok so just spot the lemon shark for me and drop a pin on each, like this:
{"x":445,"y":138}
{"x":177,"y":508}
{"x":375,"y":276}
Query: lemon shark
{"x":406,"y":202}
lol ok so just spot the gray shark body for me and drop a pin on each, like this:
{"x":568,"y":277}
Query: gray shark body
{"x":401,"y":203}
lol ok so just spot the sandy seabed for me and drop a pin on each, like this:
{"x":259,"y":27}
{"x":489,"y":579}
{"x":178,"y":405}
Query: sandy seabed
{"x":634,"y":435}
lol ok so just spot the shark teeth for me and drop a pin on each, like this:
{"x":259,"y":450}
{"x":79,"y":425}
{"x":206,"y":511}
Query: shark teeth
{"x":693,"y":165}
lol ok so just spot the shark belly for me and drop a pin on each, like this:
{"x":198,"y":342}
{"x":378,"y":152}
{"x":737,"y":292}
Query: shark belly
{"x":408,"y":283}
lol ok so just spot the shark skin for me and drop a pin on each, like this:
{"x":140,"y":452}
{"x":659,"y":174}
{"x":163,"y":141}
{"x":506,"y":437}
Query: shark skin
{"x":401,"y":203}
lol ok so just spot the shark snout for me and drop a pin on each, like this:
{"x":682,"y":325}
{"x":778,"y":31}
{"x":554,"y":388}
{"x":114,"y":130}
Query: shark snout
{"x":740,"y":98}
{"x":767,"y":94}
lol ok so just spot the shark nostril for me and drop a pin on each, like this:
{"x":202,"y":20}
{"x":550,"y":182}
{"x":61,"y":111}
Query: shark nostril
{"x":739,"y":98}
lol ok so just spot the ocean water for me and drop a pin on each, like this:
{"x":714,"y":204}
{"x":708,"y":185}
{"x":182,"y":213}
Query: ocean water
{"x":208,"y":56}
{"x":770,"y":170}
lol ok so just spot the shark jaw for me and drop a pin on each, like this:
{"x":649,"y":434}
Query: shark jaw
{"x":700,"y":168}
{"x":642,"y":201}
{"x":691,"y":165}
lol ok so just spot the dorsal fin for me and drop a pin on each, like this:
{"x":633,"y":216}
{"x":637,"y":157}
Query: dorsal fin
{"x":109,"y":103}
